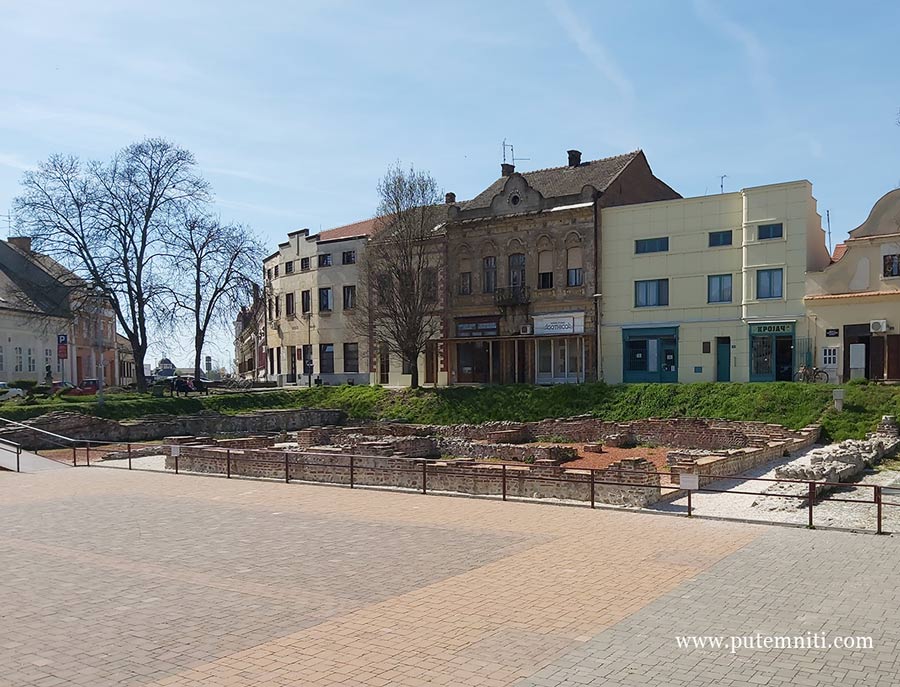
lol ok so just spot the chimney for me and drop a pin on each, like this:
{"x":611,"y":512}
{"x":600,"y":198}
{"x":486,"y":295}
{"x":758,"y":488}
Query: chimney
{"x":574,"y":157}
{"x":507,"y":169}
{"x":449,"y":198}
{"x":21,"y":242}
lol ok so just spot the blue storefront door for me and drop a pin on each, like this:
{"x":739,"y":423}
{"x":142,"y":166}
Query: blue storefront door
{"x":650,"y":355}
{"x":723,"y":359}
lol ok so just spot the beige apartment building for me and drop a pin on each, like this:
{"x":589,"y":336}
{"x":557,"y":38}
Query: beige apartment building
{"x":710,"y":288}
{"x":854,"y":303}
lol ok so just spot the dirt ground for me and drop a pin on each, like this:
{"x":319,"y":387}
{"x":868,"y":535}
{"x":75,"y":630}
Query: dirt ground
{"x":656,"y":455}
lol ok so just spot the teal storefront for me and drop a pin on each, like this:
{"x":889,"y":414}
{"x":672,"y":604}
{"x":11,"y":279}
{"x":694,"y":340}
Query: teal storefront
{"x":650,"y":355}
{"x":772,"y":351}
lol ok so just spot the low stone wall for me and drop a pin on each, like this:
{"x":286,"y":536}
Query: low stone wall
{"x":551,"y":454}
{"x":457,"y":477}
{"x":78,"y":426}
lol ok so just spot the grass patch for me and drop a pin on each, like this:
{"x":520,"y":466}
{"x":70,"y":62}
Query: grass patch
{"x":790,"y":404}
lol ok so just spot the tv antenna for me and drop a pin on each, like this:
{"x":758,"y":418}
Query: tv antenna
{"x":828,"y":222}
{"x":722,"y":179}
{"x":512,"y":153}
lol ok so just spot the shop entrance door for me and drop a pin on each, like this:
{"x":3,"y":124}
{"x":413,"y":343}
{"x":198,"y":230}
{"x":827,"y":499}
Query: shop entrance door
{"x":669,"y":366}
{"x":723,"y":359}
{"x":784,"y":358}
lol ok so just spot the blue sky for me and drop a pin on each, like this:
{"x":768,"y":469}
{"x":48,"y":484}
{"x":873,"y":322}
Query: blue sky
{"x":294,"y":109}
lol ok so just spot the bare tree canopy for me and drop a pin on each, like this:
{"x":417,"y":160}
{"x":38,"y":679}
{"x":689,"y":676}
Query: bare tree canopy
{"x":214,"y":266}
{"x":398,"y":301}
{"x":108,"y":222}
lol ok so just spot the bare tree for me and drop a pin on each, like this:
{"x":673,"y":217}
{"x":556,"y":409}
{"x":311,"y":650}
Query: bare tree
{"x":398,"y":299}
{"x":214,"y":269}
{"x":107,"y":222}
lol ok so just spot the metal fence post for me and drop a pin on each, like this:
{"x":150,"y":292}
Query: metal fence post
{"x":424,"y":478}
{"x":593,"y":488}
{"x":228,"y":463}
{"x":504,"y":481}
{"x":811,"y":498}
{"x":176,"y":461}
{"x":88,"y":454}
{"x":878,"y":530}
{"x":287,"y":477}
{"x":129,"y":456}
{"x":690,"y":506}
{"x":18,"y":457}
{"x":74,"y":456}
{"x":351,"y":472}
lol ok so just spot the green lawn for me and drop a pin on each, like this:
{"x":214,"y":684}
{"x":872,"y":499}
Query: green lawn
{"x":790,"y":404}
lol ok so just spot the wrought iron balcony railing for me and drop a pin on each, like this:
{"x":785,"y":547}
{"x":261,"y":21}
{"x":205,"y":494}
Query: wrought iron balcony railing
{"x":512,"y":295}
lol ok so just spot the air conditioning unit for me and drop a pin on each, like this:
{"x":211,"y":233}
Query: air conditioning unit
{"x":878,"y":326}
{"x":525,"y":329}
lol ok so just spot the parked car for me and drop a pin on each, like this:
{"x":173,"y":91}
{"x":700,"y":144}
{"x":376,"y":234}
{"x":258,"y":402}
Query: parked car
{"x":87,"y":387}
{"x":8,"y":392}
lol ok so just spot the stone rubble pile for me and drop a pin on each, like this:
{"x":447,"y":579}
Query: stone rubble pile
{"x":840,"y":462}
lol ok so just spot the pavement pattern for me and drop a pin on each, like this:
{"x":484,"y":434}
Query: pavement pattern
{"x":135,"y":578}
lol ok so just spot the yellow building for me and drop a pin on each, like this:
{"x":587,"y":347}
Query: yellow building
{"x":709,"y":288}
{"x":854,"y":303}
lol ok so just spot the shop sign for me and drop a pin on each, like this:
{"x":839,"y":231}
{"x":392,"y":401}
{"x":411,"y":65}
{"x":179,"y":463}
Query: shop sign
{"x":775,"y":328}
{"x":558,"y":326}
{"x":832,"y":332}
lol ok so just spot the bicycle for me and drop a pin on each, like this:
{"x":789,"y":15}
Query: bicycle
{"x":811,"y":374}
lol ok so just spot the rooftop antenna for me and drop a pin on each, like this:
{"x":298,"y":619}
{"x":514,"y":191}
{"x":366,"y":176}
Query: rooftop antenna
{"x":828,"y":222}
{"x":512,"y":153}
{"x":722,"y":183}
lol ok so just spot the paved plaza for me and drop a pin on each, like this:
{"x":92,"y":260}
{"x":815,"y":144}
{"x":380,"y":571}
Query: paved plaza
{"x":126,"y":578}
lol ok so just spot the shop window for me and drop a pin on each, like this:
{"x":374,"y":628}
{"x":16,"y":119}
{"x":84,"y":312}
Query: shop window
{"x":892,"y":265}
{"x":545,"y":269}
{"x":651,"y":293}
{"x":719,"y":238}
{"x":829,"y":357}
{"x":718,"y":288}
{"x":769,"y":231}
{"x":517,"y":270}
{"x":574,"y":267}
{"x":636,"y":355}
{"x":545,"y":357}
{"x":351,"y":357}
{"x":326,"y":358}
{"x":489,"y":275}
{"x":769,"y":283}
{"x":657,"y":245}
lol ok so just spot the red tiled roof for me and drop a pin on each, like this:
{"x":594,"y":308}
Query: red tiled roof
{"x":839,"y":251}
{"x":364,"y":228}
{"x":858,"y":294}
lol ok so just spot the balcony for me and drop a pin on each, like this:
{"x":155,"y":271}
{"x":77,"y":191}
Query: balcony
{"x":512,"y":296}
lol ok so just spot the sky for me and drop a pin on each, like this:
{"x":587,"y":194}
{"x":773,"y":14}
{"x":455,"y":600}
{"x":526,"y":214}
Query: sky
{"x":294,"y":110}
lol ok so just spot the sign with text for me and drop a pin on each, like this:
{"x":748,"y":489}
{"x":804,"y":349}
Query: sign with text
{"x":558,"y":325}
{"x":832,"y":332}
{"x":774,"y":328}
{"x":689,"y":481}
{"x":62,"y":346}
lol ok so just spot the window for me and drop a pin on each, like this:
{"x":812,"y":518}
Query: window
{"x":271,"y":310}
{"x":48,"y":360}
{"x":326,"y":358}
{"x":718,"y":288}
{"x":269,"y":274}
{"x":351,"y":357}
{"x":18,"y":352}
{"x":517,"y":270}
{"x":325,"y":260}
{"x":305,"y":301}
{"x":289,"y":267}
{"x":304,"y":264}
{"x":289,"y":304}
{"x":31,"y":362}
{"x":384,"y":364}
{"x":465,"y":283}
{"x":276,"y":270}
{"x":636,"y":352}
{"x":348,"y":257}
{"x":429,"y":284}
{"x":768,"y":283}
{"x":307,"y":359}
{"x":325,"y":300}
{"x":407,"y":366}
{"x":574,"y":271}
{"x":769,"y":231}
{"x":384,"y":288}
{"x":659,"y":245}
{"x":349,"y":297}
{"x":545,"y":269}
{"x":490,"y":274}
{"x":892,"y":265}
{"x":652,"y":292}
{"x":829,"y":357}
{"x":277,"y":307}
{"x":719,"y":238}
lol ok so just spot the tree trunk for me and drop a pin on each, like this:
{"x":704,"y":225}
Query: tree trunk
{"x":198,"y":352}
{"x":139,"y":377}
{"x":414,"y":373}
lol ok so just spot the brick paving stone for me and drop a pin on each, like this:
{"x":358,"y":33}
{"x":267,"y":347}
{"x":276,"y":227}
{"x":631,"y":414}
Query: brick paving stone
{"x":118,"y":578}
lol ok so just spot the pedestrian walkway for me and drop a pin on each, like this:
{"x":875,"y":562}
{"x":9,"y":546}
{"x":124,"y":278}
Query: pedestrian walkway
{"x":28,"y":462}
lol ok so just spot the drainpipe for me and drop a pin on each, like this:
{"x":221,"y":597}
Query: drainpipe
{"x":597,"y":292}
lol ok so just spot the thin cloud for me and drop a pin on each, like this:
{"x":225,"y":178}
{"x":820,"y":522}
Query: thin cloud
{"x":591,"y":48}
{"x":14,"y":162}
{"x":755,"y":53}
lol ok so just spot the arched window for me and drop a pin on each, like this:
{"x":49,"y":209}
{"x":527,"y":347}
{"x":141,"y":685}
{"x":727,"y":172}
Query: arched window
{"x":465,"y":276}
{"x":574,"y":266}
{"x":517,"y":270}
